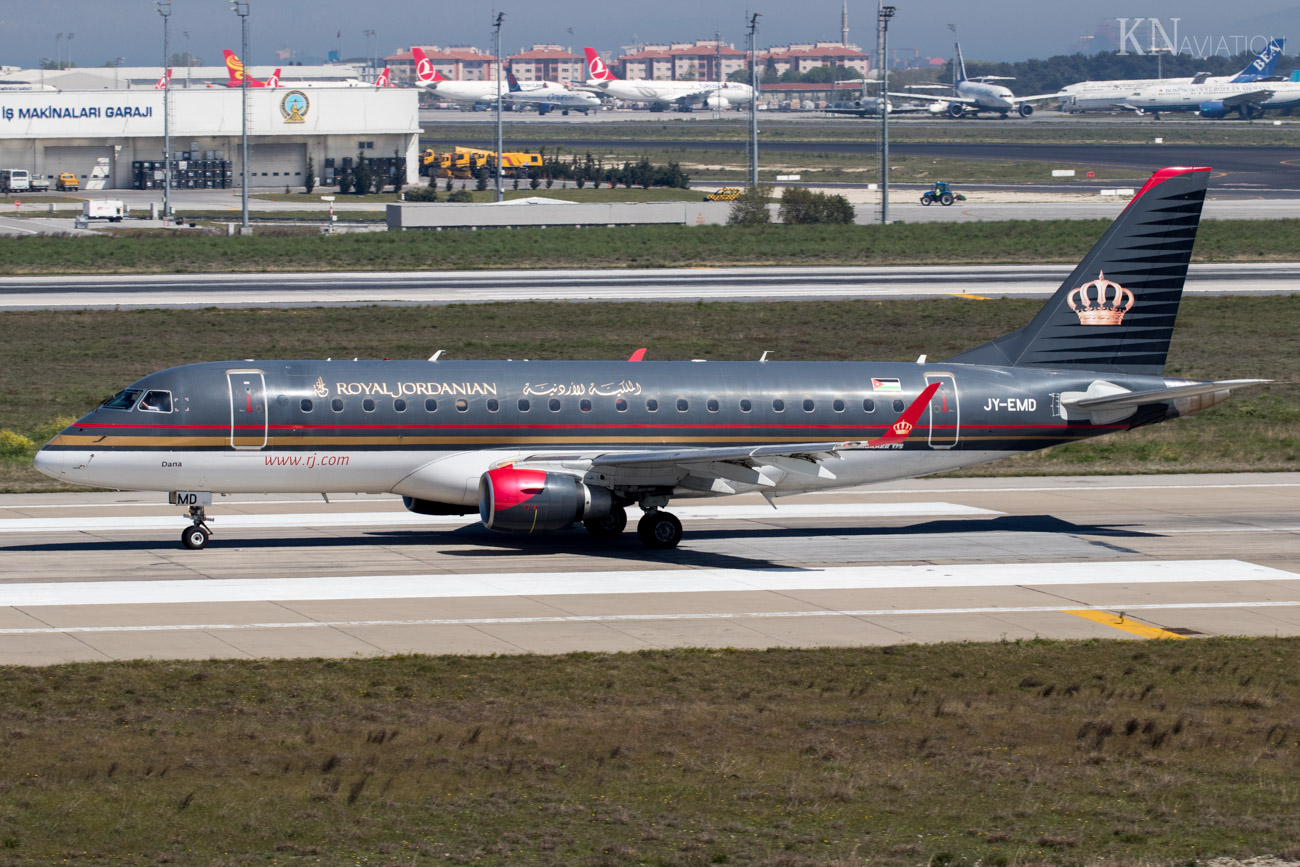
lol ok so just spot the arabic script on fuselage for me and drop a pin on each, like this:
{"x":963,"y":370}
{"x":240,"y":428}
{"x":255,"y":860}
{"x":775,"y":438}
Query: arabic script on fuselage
{"x":580,"y":389}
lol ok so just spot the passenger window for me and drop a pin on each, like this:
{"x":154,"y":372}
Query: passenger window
{"x":156,"y":401}
{"x":868,"y":405}
{"x":493,"y":404}
{"x":807,"y":405}
{"x":523,"y":405}
{"x":306,"y":404}
{"x":585,"y":404}
{"x":683,"y":404}
{"x":651,"y":405}
{"x":778,"y":405}
{"x":124,"y":399}
{"x":746,"y":405}
{"x":555,"y":404}
{"x":399,"y":405}
{"x":837,"y":405}
{"x":462,"y":404}
{"x":337,"y":404}
{"x":899,"y":406}
{"x":430,"y":405}
{"x":620,"y":404}
{"x":712,"y":405}
{"x":368,"y":404}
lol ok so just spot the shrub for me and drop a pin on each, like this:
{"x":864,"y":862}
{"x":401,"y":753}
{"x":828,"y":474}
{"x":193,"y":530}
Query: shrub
{"x":14,"y":445}
{"x":750,"y":207}
{"x":460,"y":196}
{"x":422,"y":194}
{"x":803,"y":206}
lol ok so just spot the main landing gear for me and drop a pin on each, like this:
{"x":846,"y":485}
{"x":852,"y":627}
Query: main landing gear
{"x":659,"y":530}
{"x":196,"y":535}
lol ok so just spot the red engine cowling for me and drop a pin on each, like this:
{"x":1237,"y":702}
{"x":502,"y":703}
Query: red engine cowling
{"x":512,"y":500}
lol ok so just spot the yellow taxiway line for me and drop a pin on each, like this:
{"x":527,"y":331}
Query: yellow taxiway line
{"x":1119,"y":621}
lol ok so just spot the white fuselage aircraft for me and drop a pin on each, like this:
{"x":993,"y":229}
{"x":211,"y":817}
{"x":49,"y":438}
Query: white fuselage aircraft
{"x":468,"y":92}
{"x":717,"y":95}
{"x":974,"y":95}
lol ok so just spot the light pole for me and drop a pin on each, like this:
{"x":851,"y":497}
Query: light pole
{"x":240,"y":8}
{"x":753,"y":102}
{"x":164,"y":8}
{"x":70,"y":35}
{"x":117,"y":62}
{"x":370,"y":52}
{"x":58,"y":52}
{"x":501,"y":17}
{"x":189,"y":61}
{"x":883,"y":15}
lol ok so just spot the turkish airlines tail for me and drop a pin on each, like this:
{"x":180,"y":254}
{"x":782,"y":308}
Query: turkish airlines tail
{"x":236,"y":70}
{"x":163,"y":80}
{"x":596,"y":67}
{"x":385,"y":79}
{"x":424,"y":71}
{"x":273,"y":81}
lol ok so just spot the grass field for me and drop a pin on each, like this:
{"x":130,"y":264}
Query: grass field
{"x":634,"y":246}
{"x":1013,"y":753}
{"x":56,"y":365}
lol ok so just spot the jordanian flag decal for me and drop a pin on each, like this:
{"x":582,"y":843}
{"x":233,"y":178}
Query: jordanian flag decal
{"x":886,"y":385}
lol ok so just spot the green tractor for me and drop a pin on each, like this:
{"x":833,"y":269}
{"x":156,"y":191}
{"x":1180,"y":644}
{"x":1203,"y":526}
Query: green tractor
{"x":942,"y":193}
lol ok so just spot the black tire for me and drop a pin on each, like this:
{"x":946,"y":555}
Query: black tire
{"x":659,"y":530}
{"x":609,"y":526}
{"x":927,"y":200}
{"x":195,"y":537}
{"x":946,"y":199}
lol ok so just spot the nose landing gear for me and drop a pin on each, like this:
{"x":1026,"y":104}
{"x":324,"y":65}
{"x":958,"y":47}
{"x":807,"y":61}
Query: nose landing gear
{"x":195,"y":537}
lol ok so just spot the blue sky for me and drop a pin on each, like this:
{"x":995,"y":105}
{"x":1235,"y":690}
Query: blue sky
{"x":998,"y":30}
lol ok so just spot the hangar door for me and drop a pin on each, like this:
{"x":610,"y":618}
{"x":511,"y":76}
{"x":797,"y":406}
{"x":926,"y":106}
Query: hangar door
{"x":93,"y":165}
{"x":270,"y":165}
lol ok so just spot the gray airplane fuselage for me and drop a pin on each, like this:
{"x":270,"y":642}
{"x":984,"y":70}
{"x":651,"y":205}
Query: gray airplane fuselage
{"x":429,"y":430}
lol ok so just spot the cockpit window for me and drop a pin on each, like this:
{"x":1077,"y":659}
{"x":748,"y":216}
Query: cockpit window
{"x":124,"y":399}
{"x":156,"y":401}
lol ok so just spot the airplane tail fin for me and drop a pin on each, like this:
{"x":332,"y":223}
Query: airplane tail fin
{"x":164,"y":80}
{"x":424,"y":71}
{"x":512,"y":81}
{"x":236,"y":70}
{"x":596,"y":68}
{"x":274,"y":80}
{"x":385,"y":78}
{"x":1116,"y":310}
{"x":958,"y":66}
{"x":1264,"y":65}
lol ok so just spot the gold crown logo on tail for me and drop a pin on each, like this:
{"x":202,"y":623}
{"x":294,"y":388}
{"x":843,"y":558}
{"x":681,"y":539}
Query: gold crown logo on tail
{"x":1100,"y":302}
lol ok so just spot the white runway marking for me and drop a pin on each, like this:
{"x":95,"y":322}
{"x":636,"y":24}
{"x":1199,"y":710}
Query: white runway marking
{"x":624,"y":618}
{"x":219,"y":521}
{"x":435,"y":586}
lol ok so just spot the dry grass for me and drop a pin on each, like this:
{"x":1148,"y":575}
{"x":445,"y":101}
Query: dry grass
{"x":1012,"y":753}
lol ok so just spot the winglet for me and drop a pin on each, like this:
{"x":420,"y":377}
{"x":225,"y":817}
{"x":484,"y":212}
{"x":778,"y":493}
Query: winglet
{"x":638,"y":355}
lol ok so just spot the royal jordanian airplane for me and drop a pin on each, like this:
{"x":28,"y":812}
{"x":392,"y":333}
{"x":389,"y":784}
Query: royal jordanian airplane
{"x":538,"y":446}
{"x":717,"y":95}
{"x":977,"y":94}
{"x":1111,"y":95}
{"x":550,"y":96}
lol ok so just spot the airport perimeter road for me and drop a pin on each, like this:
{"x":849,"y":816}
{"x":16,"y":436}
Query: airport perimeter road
{"x":669,"y":284}
{"x":103,"y":576}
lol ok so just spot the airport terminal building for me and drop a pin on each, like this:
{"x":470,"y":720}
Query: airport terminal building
{"x":103,"y":136}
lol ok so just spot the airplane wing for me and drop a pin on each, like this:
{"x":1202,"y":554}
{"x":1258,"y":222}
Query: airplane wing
{"x":1041,"y":97}
{"x":1254,"y":97}
{"x":875,"y":112}
{"x":717,"y":469}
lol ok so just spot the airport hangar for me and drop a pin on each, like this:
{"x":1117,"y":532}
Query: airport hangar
{"x":104,"y":136}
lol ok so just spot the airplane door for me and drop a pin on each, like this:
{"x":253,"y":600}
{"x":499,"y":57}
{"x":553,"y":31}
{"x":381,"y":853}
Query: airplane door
{"x":248,"y":421}
{"x":945,"y":412}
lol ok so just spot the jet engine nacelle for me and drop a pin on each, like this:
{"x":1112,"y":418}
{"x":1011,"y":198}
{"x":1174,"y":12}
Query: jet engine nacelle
{"x":956,"y":109}
{"x":514,"y":500}
{"x":717,"y":103}
{"x":433,"y":507}
{"x":1214,"y":109}
{"x":1025,"y":109}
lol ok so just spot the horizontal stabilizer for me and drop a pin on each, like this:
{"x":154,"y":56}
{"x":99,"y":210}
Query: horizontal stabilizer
{"x":1132,"y":399}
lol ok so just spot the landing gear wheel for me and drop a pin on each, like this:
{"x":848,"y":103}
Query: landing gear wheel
{"x":195,"y":538}
{"x":659,"y":530}
{"x":609,"y":526}
{"x":946,"y":199}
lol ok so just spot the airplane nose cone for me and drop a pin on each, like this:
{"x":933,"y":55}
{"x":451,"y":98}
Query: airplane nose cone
{"x":49,"y":462}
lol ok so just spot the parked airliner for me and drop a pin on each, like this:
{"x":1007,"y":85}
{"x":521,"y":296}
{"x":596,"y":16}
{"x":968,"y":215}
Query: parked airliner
{"x":684,"y":95}
{"x":974,"y":95}
{"x":538,"y":446}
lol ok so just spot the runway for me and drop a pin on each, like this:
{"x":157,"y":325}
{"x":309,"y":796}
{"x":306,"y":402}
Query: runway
{"x":102,"y":576}
{"x":654,"y":284}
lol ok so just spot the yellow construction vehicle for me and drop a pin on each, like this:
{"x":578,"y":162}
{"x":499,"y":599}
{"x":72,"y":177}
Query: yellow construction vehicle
{"x":463,"y":162}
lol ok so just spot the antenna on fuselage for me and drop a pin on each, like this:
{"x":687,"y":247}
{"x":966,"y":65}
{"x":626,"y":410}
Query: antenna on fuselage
{"x":434,"y":357}
{"x":763,"y":358}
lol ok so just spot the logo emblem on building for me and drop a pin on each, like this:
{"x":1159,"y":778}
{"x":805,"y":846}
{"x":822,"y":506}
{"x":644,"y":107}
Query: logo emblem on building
{"x":295,"y":106}
{"x":1100,"y":302}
